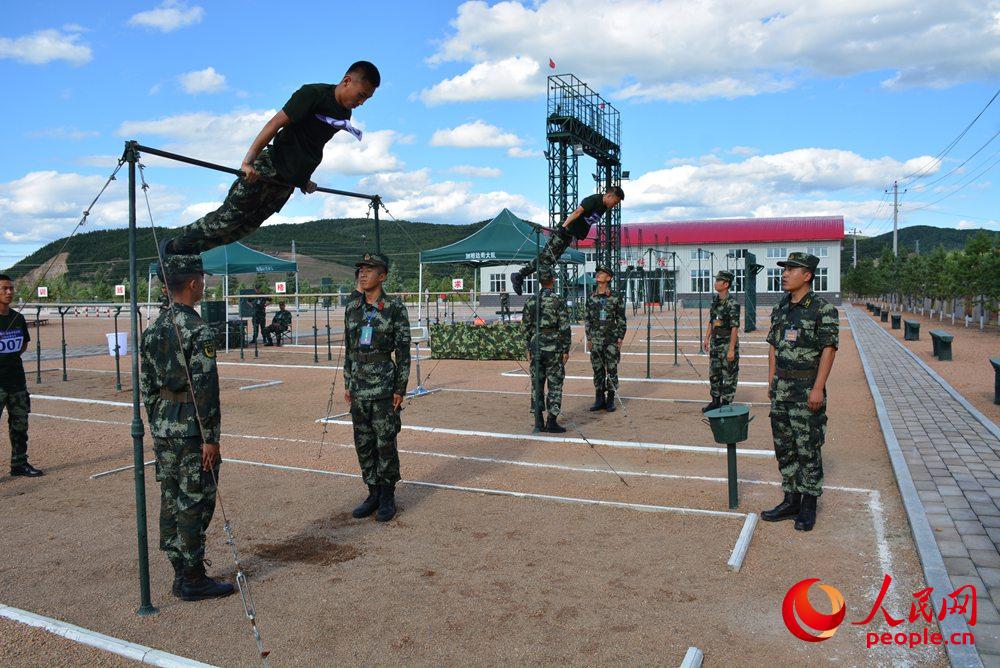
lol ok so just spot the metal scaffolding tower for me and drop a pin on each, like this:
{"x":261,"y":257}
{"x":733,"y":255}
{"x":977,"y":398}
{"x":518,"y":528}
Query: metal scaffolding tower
{"x":581,"y":122}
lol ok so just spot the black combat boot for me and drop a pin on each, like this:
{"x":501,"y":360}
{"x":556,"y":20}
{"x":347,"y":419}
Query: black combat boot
{"x":785,"y":510}
{"x":599,"y":401}
{"x":369,"y":505}
{"x":807,"y":514}
{"x":712,"y":405}
{"x":517,"y":282}
{"x":175,"y":589}
{"x":386,"y":504}
{"x":554,"y":427}
{"x":26,"y":469}
{"x":611,"y":402}
{"x":196,"y":586}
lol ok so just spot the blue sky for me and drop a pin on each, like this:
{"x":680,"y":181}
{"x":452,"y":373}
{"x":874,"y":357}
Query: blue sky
{"x":728,"y":109}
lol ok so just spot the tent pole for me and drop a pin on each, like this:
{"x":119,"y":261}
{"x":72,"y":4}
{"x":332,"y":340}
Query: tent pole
{"x":296,"y":293}
{"x":420,"y":289}
{"x":225,"y":302}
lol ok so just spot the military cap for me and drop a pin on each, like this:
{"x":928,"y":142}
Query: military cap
{"x":545,"y":273}
{"x":177,"y":265}
{"x":373,"y":260}
{"x":724,"y":275}
{"x":603,"y":268}
{"x":797,"y":259}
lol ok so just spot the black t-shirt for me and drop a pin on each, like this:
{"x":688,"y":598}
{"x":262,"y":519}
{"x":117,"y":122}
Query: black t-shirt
{"x":14,"y":337}
{"x":593,"y":209}
{"x":298,"y":147}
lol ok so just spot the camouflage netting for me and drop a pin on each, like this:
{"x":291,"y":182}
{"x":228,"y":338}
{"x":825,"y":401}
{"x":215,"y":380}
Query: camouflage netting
{"x":500,"y":341}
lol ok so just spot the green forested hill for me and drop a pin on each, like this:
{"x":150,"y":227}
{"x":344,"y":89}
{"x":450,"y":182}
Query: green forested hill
{"x":924,"y":237}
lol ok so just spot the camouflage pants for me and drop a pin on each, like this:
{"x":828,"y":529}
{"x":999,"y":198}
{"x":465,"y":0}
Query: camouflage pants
{"x":259,"y":323}
{"x":723,"y":374}
{"x":604,"y":361}
{"x":246,"y":206}
{"x":553,"y":371}
{"x":18,"y":405}
{"x":554,"y":247}
{"x":798,"y":441}
{"x":187,"y":499}
{"x":375,"y":427}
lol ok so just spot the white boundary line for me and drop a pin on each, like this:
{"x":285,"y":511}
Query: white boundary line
{"x":693,"y":658}
{"x":664,"y":342}
{"x":623,"y":379}
{"x":269,"y":383}
{"x":320,"y":367}
{"x":742,"y":543}
{"x":77,"y":634}
{"x":125,"y":372}
{"x":77,"y":400}
{"x":569,"y":439}
{"x":571,"y":394}
{"x":742,"y":356}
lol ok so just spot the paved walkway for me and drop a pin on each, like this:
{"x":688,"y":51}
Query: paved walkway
{"x":947,"y":462}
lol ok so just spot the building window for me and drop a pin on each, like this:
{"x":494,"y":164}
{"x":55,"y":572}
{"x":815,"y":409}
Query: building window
{"x":704,"y":254}
{"x":700,"y":280}
{"x":821,"y":280}
{"x":498,"y":283}
{"x":818,"y":251}
{"x":590,"y":256}
{"x":776,"y":253}
{"x":529,"y":285}
{"x":739,"y":280}
{"x":738,"y":253}
{"x":774,"y":279}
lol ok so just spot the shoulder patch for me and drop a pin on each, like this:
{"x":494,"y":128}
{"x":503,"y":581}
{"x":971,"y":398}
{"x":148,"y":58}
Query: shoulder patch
{"x":209,"y":348}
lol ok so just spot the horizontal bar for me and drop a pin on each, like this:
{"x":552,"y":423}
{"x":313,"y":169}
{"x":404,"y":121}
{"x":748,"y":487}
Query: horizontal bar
{"x":237,"y":172}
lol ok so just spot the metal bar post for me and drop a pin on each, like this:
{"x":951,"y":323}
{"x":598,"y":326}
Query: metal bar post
{"x":675,"y":307}
{"x":62,"y":324}
{"x":734,"y":494}
{"x":118,"y":368}
{"x":376,"y":201}
{"x":701,"y":336}
{"x":38,"y":345}
{"x":315,"y":334}
{"x":536,"y":356}
{"x":146,"y":604}
{"x":649,"y":322}
{"x":329,"y":345}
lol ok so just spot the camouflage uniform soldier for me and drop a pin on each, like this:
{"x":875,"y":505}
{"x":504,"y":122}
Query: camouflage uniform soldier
{"x":259,"y":321}
{"x":722,"y":343}
{"x":14,"y":338}
{"x":180,"y":387}
{"x":550,"y":352}
{"x":604,"y":323}
{"x":576,"y":226}
{"x":280,"y":323}
{"x":804,"y":336}
{"x":375,"y":327}
{"x":300,"y":130}
{"x":504,"y":306}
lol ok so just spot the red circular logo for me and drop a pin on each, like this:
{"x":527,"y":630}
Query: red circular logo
{"x":796,"y":610}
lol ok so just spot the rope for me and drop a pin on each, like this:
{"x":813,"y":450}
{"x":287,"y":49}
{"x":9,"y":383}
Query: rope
{"x":241,"y":580}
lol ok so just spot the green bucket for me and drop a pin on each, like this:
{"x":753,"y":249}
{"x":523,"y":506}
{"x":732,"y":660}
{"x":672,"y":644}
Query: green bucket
{"x":730,"y":424}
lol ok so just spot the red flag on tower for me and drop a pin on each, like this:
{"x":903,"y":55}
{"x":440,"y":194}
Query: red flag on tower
{"x":601,"y":105}
{"x":552,"y":64}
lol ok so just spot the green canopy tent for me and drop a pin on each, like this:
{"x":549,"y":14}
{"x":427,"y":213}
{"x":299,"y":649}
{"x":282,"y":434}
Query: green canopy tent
{"x":506,"y":239}
{"x":234,"y":258}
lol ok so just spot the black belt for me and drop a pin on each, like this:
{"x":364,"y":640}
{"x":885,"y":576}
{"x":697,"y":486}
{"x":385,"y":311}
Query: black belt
{"x":549,"y":330}
{"x":373,"y":357}
{"x":796,"y":373}
{"x":179,"y":397}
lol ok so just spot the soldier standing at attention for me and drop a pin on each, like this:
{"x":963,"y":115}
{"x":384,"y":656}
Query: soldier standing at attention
{"x":577,"y":225}
{"x":722,"y":343}
{"x":376,"y":326}
{"x":551,"y":350}
{"x":504,"y":306}
{"x":604,"y":323}
{"x":804,"y":336}
{"x":259,"y":321}
{"x":14,"y":396}
{"x":180,"y":387}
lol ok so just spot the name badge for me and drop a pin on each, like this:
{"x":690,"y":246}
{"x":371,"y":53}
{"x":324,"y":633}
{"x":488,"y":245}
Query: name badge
{"x":717,"y":323}
{"x":791,"y":335}
{"x":604,"y":314}
{"x":366,"y":335}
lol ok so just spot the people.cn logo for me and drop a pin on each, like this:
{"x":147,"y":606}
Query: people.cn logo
{"x":796,"y":611}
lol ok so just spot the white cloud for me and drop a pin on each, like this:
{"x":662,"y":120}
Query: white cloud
{"x":42,"y":206}
{"x":476,"y":172}
{"x":693,"y":50}
{"x":510,"y":78}
{"x":224,"y":139}
{"x":808,"y":181}
{"x":168,"y":16}
{"x":45,"y":46}
{"x":413,"y":196}
{"x":978,"y":225}
{"x":518,"y":152}
{"x":477,"y":134}
{"x":202,"y":81}
{"x":67,"y":133}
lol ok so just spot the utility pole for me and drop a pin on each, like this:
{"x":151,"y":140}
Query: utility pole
{"x":854,"y":234}
{"x":895,"y":217}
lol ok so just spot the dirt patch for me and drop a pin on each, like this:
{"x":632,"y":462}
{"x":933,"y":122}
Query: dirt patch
{"x":308,"y":550}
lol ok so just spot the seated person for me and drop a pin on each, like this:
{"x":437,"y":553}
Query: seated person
{"x":281,"y":323}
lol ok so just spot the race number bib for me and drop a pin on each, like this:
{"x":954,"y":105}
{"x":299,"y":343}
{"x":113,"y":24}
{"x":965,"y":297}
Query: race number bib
{"x":604,"y":314}
{"x":791,"y":335}
{"x":366,"y":335}
{"x":11,"y":341}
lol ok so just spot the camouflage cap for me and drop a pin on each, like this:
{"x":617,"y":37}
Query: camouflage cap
{"x":373,"y":260}
{"x":605,"y":269}
{"x":176,"y":265}
{"x":724,"y":275}
{"x":546,"y":273}
{"x":797,"y":259}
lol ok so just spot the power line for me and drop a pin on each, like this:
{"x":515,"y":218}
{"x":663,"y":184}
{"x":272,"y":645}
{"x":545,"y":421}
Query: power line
{"x":924,"y":186}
